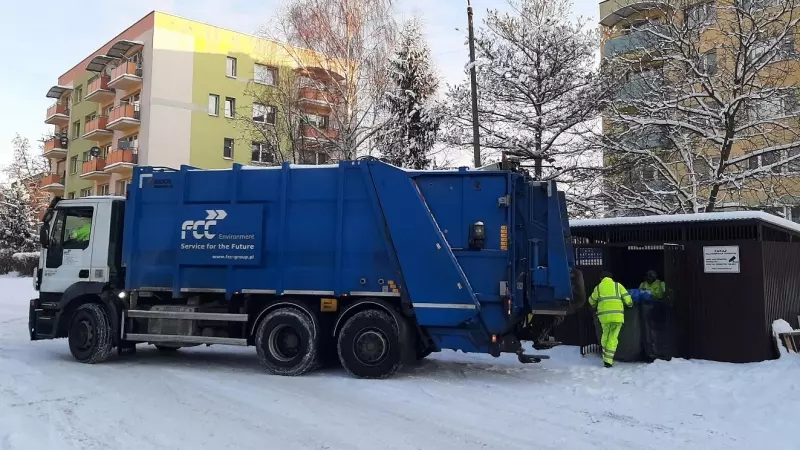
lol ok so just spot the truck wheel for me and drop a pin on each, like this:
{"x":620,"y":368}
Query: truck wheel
{"x":90,"y":335}
{"x":371,"y":345}
{"x":287,"y":342}
{"x":422,"y":354}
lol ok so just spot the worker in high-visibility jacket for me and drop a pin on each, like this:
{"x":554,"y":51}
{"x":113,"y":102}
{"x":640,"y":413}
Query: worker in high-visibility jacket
{"x":653,"y":285}
{"x":610,"y":298}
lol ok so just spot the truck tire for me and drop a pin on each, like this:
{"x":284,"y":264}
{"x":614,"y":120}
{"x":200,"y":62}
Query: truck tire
{"x":287,"y":342}
{"x":372,"y":345}
{"x":90,"y":335}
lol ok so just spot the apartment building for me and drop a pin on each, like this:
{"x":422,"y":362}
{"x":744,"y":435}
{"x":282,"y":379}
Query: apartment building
{"x":169,"y":91}
{"x":709,"y":27}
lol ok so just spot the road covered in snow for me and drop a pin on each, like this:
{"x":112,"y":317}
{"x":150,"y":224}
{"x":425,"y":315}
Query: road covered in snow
{"x":220,"y":398}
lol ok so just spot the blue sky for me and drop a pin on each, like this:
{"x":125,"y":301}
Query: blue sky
{"x":45,"y":38}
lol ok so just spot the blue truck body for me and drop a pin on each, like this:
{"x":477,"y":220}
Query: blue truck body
{"x":358,"y":229}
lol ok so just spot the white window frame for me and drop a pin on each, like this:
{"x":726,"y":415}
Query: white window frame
{"x":262,"y":146}
{"x":231,"y":67}
{"x":215,"y":98}
{"x":230,"y":107}
{"x":706,"y":14}
{"x":259,"y":74}
{"x":86,"y":192}
{"x":103,"y":189}
{"x":263,"y":111}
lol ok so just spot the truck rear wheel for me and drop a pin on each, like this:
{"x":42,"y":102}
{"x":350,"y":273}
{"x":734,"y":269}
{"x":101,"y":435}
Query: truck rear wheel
{"x":90,"y":335}
{"x":372,"y":345}
{"x":287,"y":342}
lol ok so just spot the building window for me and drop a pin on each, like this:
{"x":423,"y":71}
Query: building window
{"x":102,"y":189}
{"x":701,"y":15}
{"x":265,"y":75}
{"x":230,"y":67}
{"x":263,"y":152}
{"x":780,"y":104}
{"x":121,"y":187}
{"x":73,"y":165}
{"x":77,"y":94}
{"x":76,"y":129}
{"x":104,"y":151}
{"x":85,"y":156}
{"x":86,"y":192}
{"x":227,"y":148}
{"x":71,"y":195}
{"x":319,"y":122}
{"x":128,"y":142}
{"x":263,"y":113}
{"x":230,"y":107}
{"x":213,"y":104}
{"x":708,"y":62}
{"x":313,"y":157}
{"x":107,"y":110}
{"x":771,"y":50}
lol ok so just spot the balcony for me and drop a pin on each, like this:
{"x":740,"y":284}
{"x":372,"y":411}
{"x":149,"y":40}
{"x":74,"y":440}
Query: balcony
{"x":94,"y":169}
{"x":98,"y":90}
{"x":124,"y":117}
{"x":52,"y":183}
{"x":97,"y":130}
{"x":640,"y":40}
{"x":55,"y":148}
{"x":639,"y":88}
{"x":316,"y":98}
{"x":57,"y":114}
{"x":121,"y":161}
{"x":126,"y":76}
{"x":309,"y":133}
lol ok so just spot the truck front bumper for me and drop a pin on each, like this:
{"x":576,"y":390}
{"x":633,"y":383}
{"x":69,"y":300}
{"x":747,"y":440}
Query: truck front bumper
{"x":41,"y":323}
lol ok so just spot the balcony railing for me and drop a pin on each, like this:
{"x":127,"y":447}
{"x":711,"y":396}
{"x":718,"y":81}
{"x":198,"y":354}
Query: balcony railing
{"x":97,"y":125}
{"x":317,"y":95}
{"x":643,"y":39}
{"x":309,"y":132}
{"x":52,"y":179}
{"x":54,"y":144}
{"x":98,"y":89}
{"x":124,"y":111}
{"x":58,"y":113}
{"x":126,"y":76}
{"x":639,"y":88}
{"x":119,"y":156}
{"x":93,"y":165}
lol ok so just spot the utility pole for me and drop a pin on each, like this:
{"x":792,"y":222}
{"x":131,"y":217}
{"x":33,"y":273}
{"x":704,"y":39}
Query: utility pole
{"x":473,"y":81}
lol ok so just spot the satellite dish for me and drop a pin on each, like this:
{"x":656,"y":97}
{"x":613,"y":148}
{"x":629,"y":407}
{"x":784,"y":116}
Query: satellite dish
{"x":94,"y":152}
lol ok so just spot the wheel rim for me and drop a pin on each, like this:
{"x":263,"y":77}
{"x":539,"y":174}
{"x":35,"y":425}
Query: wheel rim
{"x":284,"y":343}
{"x":84,"y":336}
{"x":371,"y":347}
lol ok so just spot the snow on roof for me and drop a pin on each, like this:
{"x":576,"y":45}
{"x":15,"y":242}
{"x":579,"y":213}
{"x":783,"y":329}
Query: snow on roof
{"x":691,"y":218}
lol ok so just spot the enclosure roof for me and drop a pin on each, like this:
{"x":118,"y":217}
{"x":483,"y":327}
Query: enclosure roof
{"x":690,"y":218}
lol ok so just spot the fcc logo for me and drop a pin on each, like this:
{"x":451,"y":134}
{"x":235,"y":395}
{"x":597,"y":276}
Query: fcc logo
{"x":201,"y":229}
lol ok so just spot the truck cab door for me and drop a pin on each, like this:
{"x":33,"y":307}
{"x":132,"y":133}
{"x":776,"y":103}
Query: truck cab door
{"x":67,"y":259}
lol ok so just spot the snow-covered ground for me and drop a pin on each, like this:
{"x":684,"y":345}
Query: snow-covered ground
{"x":220,"y":398}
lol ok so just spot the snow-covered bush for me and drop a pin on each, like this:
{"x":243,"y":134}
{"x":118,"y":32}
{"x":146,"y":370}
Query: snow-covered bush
{"x":24,"y":263}
{"x":6,"y":261}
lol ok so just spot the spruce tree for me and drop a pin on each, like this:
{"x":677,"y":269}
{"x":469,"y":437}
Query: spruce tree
{"x":410,"y":132}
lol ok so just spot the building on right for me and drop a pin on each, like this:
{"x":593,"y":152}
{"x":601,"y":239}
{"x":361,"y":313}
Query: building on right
{"x":701,"y":109}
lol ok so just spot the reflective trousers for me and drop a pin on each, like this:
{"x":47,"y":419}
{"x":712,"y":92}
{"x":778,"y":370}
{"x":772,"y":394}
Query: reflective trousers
{"x":609,"y":340}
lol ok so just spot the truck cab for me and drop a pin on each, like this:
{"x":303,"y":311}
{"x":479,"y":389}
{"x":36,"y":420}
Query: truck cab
{"x":81,"y":256}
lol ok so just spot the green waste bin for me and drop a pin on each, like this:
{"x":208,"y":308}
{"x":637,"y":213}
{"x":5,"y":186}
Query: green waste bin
{"x":630,"y":348}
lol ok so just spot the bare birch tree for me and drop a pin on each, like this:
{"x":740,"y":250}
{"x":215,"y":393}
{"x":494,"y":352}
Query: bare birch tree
{"x":346,"y":44}
{"x":537,"y":89}
{"x":705,"y":113}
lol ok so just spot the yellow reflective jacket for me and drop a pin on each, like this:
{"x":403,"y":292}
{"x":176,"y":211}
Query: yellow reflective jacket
{"x":656,"y":288}
{"x":610,"y":298}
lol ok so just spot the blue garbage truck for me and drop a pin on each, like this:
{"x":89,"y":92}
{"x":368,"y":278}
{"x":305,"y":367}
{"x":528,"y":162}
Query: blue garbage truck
{"x":360,"y":263}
